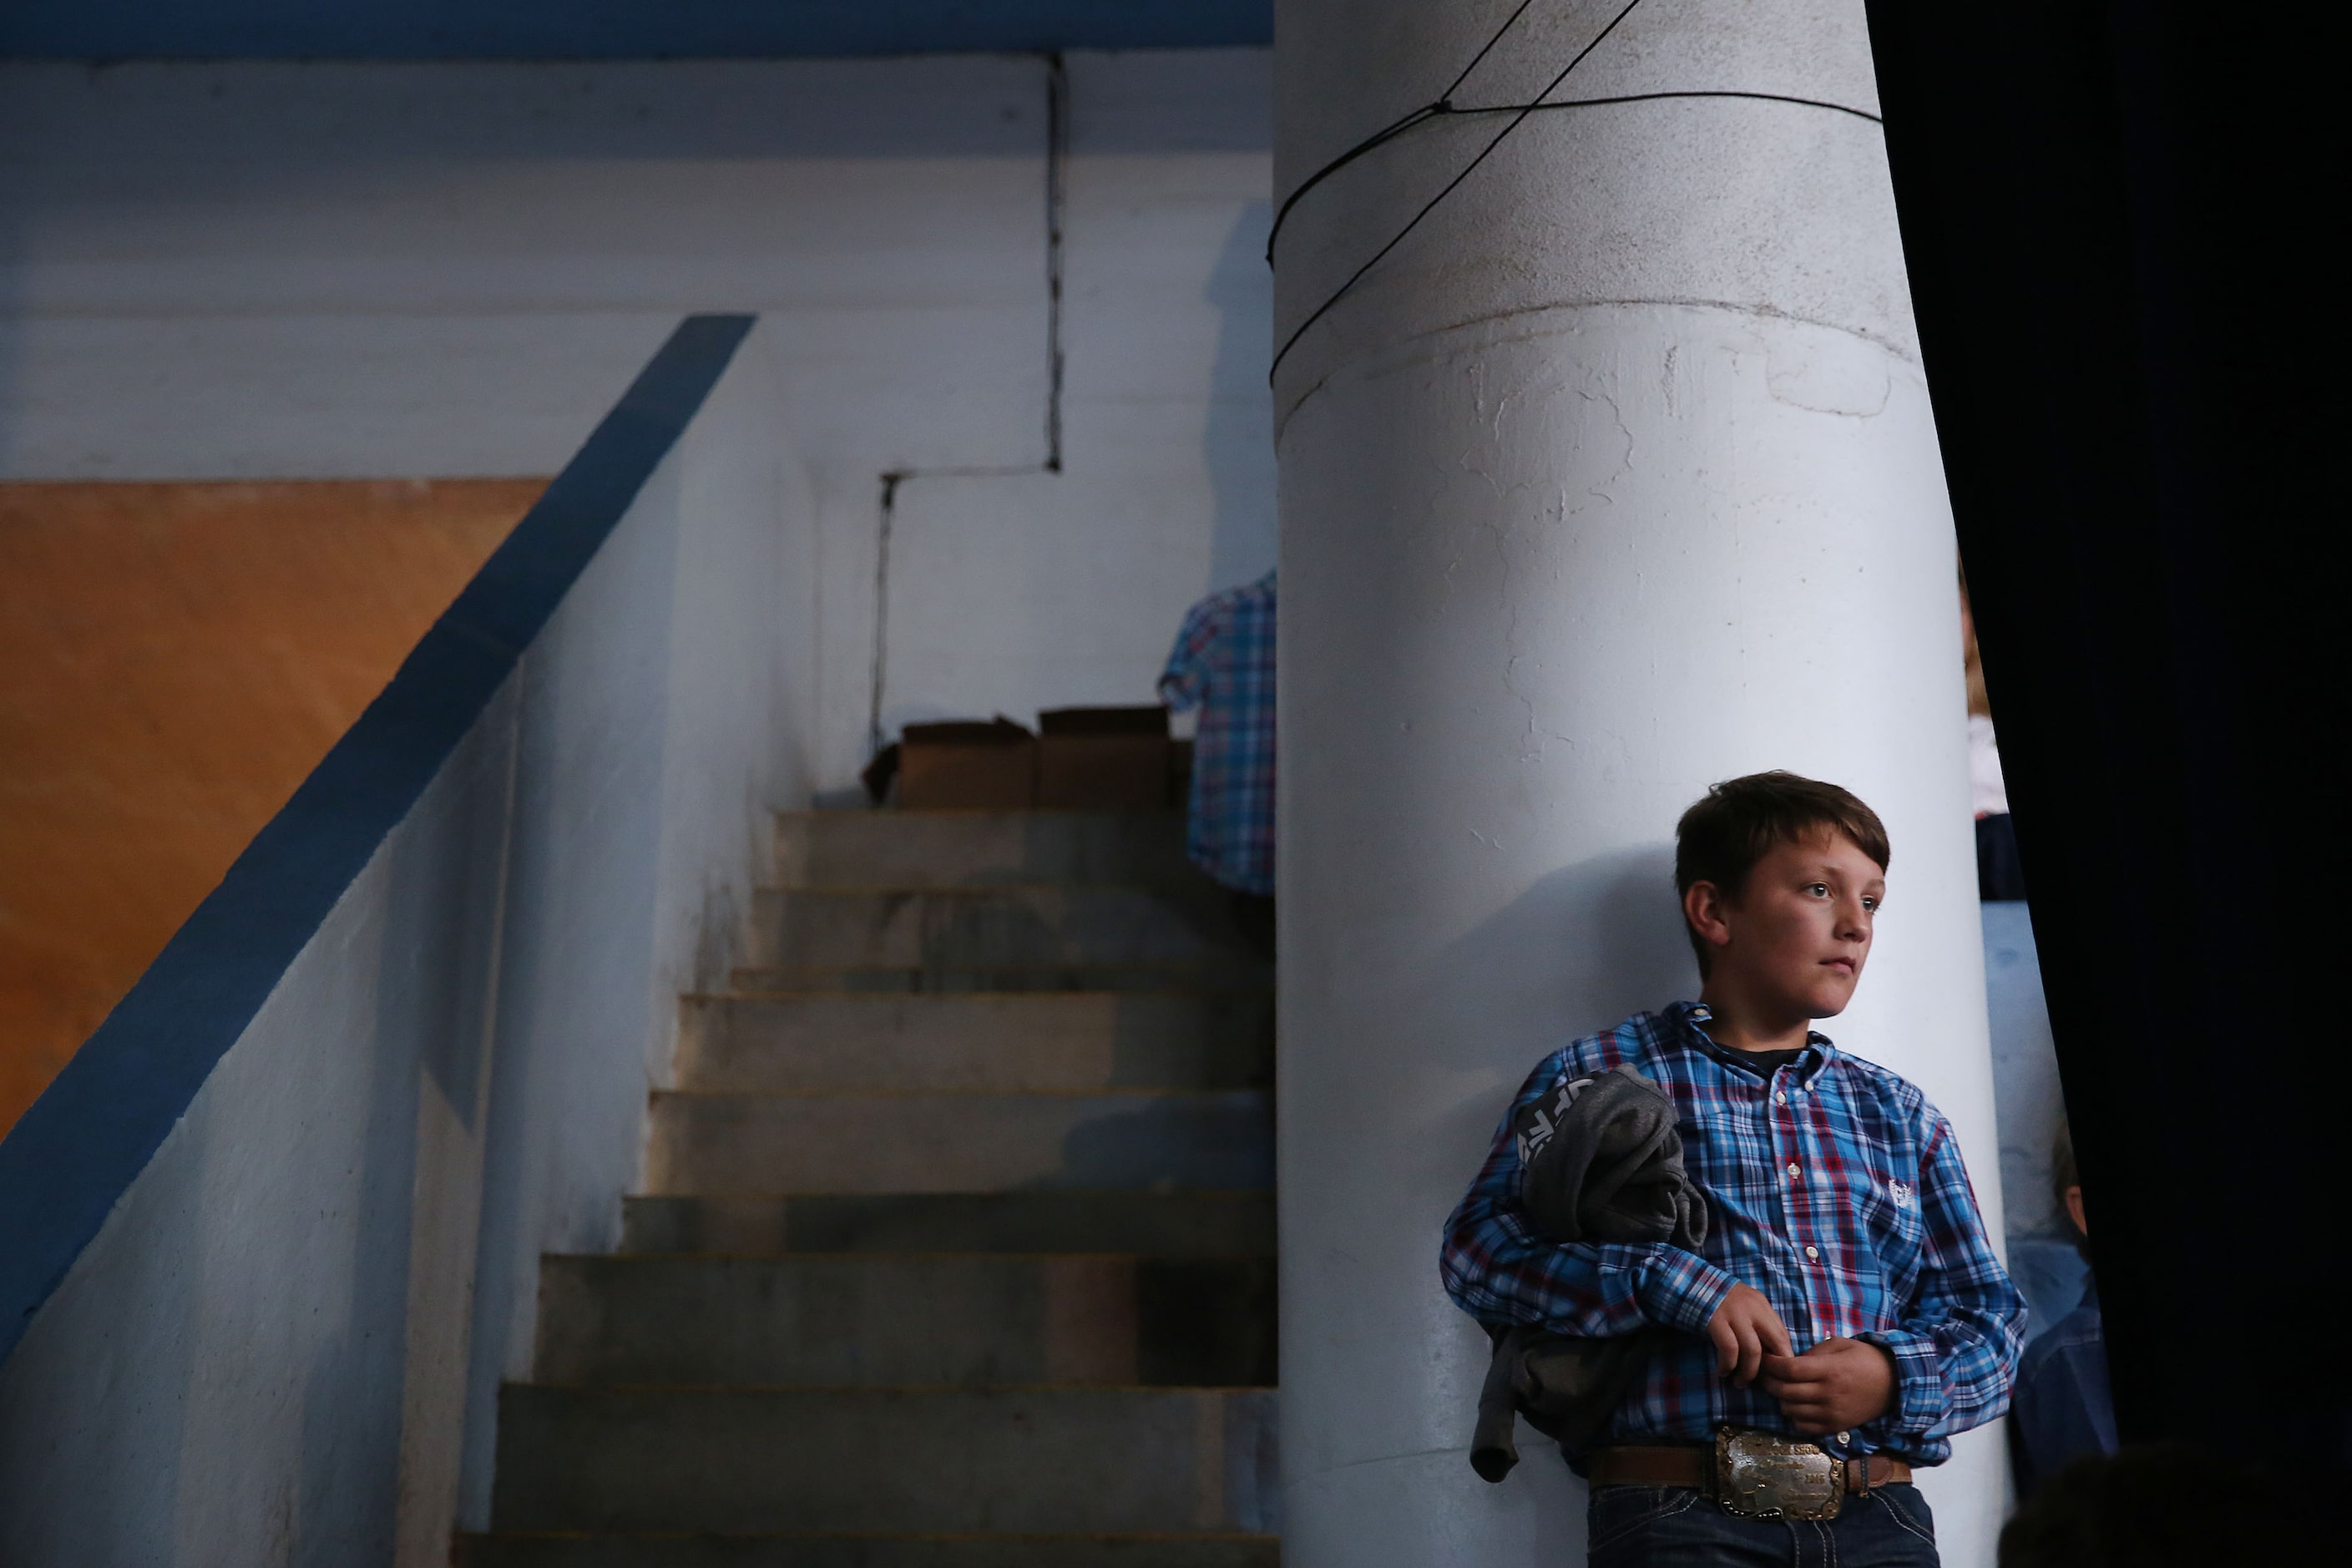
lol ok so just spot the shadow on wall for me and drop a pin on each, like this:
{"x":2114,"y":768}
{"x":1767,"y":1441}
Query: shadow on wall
{"x":1238,"y":441}
{"x":418,"y":1169}
{"x":294,"y":1373}
{"x":1585,"y":946}
{"x":445,"y":965}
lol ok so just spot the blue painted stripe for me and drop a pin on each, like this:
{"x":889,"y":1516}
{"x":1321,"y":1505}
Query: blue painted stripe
{"x":85,"y":1141}
{"x":612,"y":29}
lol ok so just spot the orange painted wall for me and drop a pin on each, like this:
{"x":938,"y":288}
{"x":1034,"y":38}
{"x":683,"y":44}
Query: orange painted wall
{"x":174,"y":659}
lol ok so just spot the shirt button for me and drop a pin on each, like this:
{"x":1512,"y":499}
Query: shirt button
{"x":1792,"y":1170}
{"x":1845,"y":1437}
{"x":1812,"y":1252}
{"x":1779,"y":1100}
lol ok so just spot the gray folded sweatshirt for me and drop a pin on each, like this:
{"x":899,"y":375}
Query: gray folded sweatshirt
{"x":1599,"y":1161}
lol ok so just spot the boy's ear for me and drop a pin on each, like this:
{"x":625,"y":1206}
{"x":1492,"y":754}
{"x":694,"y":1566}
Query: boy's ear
{"x":1704,"y":907}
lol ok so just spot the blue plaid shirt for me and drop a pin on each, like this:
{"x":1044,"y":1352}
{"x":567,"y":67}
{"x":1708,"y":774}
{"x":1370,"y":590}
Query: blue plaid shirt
{"x":1833,"y":1187}
{"x":1223,"y":665}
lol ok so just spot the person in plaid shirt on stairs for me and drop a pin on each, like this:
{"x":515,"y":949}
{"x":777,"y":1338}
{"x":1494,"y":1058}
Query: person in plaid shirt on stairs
{"x":1846,"y":1313}
{"x":1223,"y":664}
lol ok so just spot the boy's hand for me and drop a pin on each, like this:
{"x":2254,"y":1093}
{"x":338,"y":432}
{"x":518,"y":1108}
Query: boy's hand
{"x":1746,"y":1330}
{"x":1836,"y":1385}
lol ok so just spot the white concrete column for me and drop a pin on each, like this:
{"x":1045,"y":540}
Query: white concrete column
{"x":1616,"y":479}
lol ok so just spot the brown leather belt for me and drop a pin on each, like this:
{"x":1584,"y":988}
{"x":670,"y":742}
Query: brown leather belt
{"x":1629,"y":1466}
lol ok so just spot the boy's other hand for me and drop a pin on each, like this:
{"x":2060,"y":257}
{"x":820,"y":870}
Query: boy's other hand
{"x":1834,"y":1386}
{"x":1746,"y":1330}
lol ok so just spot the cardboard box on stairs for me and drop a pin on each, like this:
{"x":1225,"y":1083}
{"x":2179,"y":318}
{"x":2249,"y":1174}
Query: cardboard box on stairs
{"x":967,"y":766}
{"x":1103,"y":759}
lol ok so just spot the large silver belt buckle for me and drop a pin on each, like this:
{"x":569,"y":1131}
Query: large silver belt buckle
{"x":1760,"y":1476}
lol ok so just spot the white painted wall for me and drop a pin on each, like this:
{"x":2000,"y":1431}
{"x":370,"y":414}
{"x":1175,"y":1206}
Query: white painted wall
{"x":285,"y":1343}
{"x":2025,"y":1060}
{"x":2041,"y":1256}
{"x":1617,"y":479}
{"x":344,"y":269}
{"x":1167,"y":486}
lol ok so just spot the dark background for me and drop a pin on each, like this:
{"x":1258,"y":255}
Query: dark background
{"x":2120,"y":222}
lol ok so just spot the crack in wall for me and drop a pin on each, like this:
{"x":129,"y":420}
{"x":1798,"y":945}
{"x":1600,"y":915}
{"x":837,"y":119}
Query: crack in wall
{"x":1057,"y":157}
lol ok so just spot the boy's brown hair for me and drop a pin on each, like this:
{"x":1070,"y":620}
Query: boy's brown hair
{"x":1738,"y":822}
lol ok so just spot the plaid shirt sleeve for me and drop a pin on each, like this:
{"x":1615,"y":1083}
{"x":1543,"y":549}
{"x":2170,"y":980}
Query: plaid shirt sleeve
{"x":1957,"y":1345}
{"x":1185,"y":681}
{"x":1500,"y":1271}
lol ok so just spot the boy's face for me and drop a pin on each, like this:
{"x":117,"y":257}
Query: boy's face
{"x":1800,"y":932}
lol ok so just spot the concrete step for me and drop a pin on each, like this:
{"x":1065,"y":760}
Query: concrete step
{"x":1242,"y":974}
{"x":880,"y":1320}
{"x":711,"y":1145}
{"x":980,"y":849}
{"x":1039,"y":1041}
{"x":971,"y":1550}
{"x":917,"y":1461}
{"x":1163,"y":1224}
{"x":943,"y":927}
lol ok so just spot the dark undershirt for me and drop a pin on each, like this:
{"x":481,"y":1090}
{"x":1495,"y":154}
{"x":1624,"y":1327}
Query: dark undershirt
{"x":1767,"y":1063}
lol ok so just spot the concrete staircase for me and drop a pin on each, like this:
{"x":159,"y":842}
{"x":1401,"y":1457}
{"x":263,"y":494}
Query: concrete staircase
{"x":958,"y":1247}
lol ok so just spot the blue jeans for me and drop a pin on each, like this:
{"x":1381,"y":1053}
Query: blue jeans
{"x":1675,"y":1526}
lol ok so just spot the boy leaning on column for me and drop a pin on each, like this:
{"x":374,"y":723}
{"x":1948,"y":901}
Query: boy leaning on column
{"x":1844,"y":1313}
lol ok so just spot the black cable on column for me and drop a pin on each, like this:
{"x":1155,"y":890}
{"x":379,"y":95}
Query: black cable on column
{"x":1517,"y":119}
